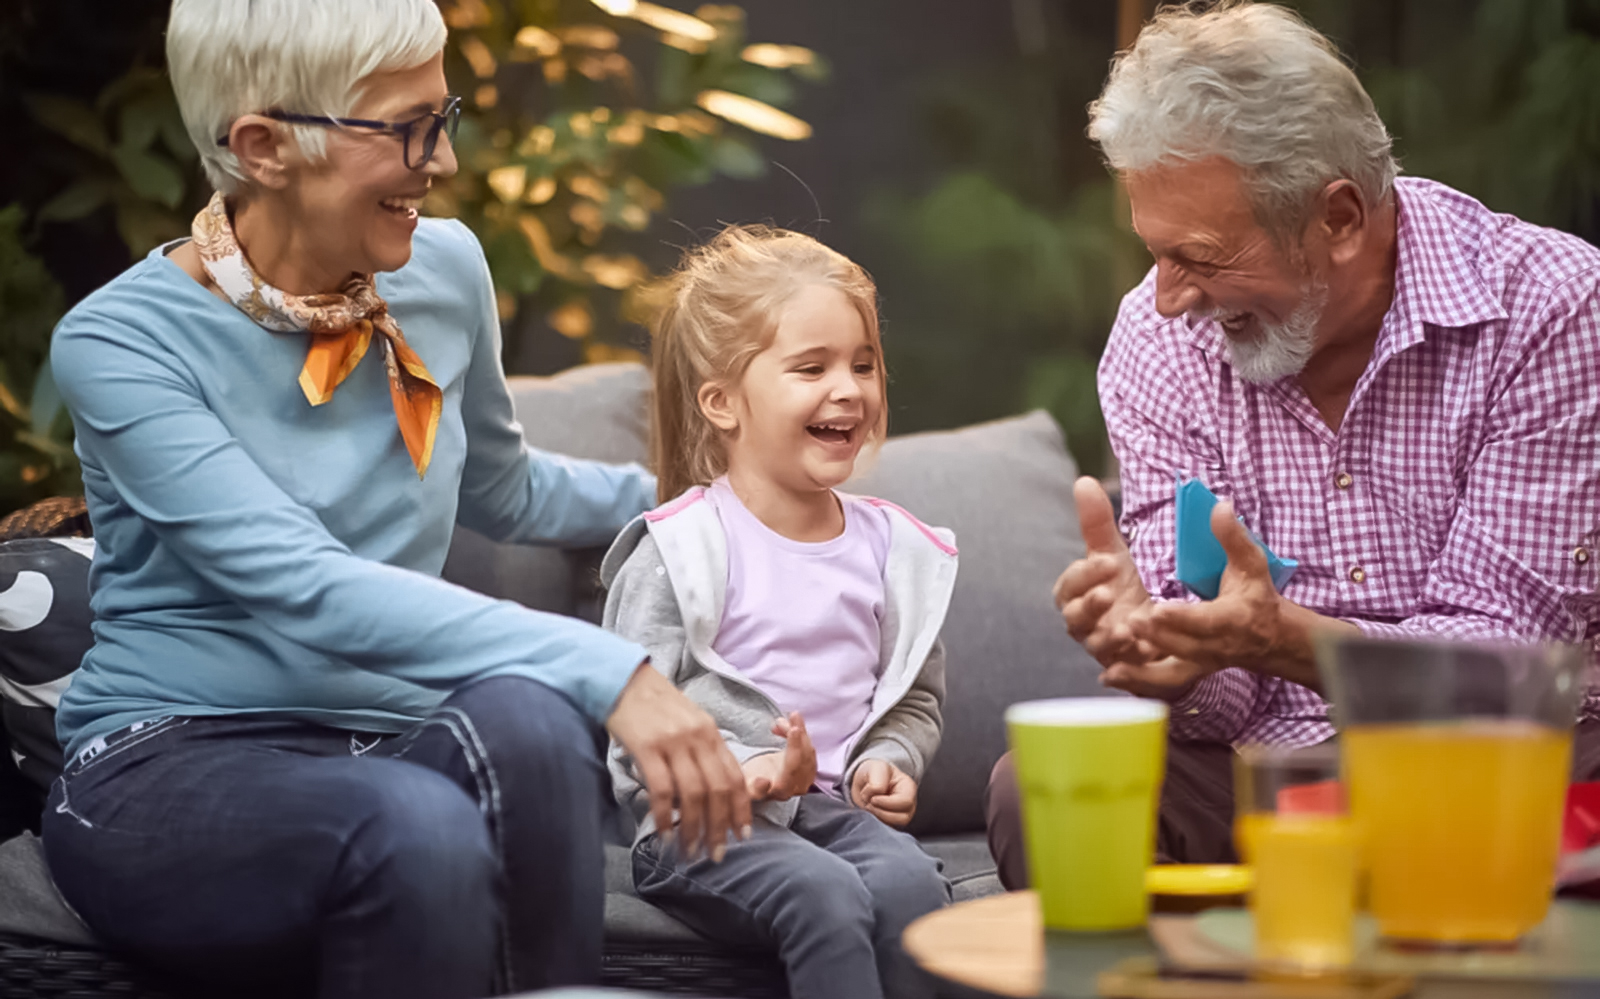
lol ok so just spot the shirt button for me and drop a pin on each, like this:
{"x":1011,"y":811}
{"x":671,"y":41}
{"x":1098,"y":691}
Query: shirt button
{"x":1358,"y":574}
{"x":1343,"y":480}
{"x":1580,"y":555}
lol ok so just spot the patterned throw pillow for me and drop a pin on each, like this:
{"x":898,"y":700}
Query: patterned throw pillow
{"x":44,"y":632}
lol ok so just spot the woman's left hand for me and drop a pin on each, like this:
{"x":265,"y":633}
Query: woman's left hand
{"x":886,"y":791}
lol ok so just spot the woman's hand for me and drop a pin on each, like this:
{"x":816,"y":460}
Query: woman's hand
{"x":783,"y":775}
{"x":684,"y":762}
{"x":886,"y":791}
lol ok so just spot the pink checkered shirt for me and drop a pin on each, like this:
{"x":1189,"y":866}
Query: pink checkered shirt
{"x":1459,"y":498}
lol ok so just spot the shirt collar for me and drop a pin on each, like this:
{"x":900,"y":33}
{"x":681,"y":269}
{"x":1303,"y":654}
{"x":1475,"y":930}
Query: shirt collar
{"x":1436,"y":280}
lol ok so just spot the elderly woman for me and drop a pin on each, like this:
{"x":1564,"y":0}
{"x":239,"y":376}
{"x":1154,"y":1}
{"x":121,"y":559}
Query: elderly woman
{"x":296,"y":758}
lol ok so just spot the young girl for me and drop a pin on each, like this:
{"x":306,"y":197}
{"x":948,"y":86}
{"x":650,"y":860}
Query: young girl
{"x":804,"y":620}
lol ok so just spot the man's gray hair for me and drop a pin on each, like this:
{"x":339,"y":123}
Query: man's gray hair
{"x":1256,"y":85}
{"x":235,"y":57}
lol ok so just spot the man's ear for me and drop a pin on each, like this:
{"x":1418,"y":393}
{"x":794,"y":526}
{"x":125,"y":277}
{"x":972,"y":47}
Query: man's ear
{"x":263,"y":148}
{"x":1344,"y":219}
{"x":716,"y":405}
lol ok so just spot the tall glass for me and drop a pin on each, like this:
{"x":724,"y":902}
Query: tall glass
{"x":1293,"y":830}
{"x":1456,"y":759}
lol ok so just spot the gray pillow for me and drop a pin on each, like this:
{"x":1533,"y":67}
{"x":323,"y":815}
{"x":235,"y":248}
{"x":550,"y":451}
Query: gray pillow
{"x":1005,"y":489}
{"x":597,"y":411}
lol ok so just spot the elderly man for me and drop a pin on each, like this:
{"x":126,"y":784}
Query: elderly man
{"x":1383,"y":379}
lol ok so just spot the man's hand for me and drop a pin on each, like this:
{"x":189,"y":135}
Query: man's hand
{"x":783,"y":775}
{"x":1249,"y":624}
{"x":682,"y":758}
{"x":886,"y":791}
{"x":1100,"y":592}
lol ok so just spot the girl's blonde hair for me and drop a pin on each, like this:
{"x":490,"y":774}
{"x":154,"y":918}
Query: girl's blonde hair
{"x":724,"y":304}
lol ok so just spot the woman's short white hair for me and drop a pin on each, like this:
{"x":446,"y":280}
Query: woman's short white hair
{"x":234,"y":57}
{"x":1252,"y":83}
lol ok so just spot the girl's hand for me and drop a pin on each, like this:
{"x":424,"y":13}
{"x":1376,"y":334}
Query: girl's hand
{"x":886,"y":791}
{"x":780,"y":776}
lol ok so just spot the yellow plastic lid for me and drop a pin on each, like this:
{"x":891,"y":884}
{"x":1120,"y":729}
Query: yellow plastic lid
{"x":1198,"y":879}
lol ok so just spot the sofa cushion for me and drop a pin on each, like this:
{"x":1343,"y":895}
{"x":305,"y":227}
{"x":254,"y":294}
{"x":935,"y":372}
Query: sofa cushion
{"x":44,"y":616}
{"x":1005,"y":489}
{"x":597,"y":411}
{"x":30,"y":906}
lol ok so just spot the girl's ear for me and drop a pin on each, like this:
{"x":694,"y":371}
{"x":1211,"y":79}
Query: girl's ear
{"x":717,"y":406}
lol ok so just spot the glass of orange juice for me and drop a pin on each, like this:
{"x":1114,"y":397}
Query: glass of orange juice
{"x":1456,"y":757}
{"x":1293,"y":830}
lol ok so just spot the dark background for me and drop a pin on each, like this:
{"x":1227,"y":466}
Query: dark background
{"x":949,"y":158}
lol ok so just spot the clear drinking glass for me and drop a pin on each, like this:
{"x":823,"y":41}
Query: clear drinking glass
{"x":1456,"y":758}
{"x":1293,"y":829}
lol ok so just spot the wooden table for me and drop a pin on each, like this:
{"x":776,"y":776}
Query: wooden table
{"x":997,"y":946}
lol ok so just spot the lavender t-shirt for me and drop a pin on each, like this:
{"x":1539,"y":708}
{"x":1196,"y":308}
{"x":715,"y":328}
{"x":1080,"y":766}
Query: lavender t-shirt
{"x":802,"y":619}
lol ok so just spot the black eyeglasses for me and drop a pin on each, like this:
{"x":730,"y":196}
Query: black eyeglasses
{"x":445,"y":121}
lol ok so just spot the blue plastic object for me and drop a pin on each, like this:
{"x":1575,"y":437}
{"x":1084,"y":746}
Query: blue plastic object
{"x":1201,"y":559}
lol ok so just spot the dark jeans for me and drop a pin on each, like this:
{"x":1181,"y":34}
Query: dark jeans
{"x":261,"y":855}
{"x":1196,"y":819}
{"x":832,"y":893}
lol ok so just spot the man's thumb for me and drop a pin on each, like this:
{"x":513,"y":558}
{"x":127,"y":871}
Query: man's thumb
{"x":1243,"y":553}
{"x":1095,"y":519}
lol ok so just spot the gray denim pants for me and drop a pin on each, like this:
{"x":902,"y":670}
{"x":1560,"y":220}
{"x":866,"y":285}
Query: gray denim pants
{"x":833,"y":892}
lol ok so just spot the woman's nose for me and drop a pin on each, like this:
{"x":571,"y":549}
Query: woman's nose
{"x":443,"y":163}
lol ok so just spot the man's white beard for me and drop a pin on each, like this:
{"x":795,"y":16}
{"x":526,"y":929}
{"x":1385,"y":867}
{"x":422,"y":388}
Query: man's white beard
{"x":1281,"y":349}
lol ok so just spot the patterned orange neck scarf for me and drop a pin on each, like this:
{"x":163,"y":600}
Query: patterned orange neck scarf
{"x":340,"y":327}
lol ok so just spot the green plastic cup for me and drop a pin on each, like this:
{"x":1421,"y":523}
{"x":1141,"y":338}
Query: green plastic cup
{"x":1089,"y":771}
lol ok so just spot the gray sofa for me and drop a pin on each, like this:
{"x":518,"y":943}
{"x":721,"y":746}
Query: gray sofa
{"x":1003,"y":487}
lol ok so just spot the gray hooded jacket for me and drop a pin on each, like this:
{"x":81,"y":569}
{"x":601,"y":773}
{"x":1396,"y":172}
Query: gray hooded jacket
{"x":666,"y":577}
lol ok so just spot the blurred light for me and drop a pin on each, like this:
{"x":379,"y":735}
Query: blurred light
{"x":507,"y":182}
{"x":540,"y":140}
{"x":589,"y":187}
{"x":778,"y":56}
{"x":555,"y":71}
{"x":573,"y":320}
{"x":617,"y":8}
{"x":478,"y":54}
{"x":540,"y":191}
{"x":615,"y":272}
{"x":629,"y":133}
{"x":753,"y":114}
{"x":468,"y":14}
{"x":590,"y":36}
{"x":673,"y":22}
{"x":693,"y":46}
{"x":486,"y":96}
{"x":541,"y":41}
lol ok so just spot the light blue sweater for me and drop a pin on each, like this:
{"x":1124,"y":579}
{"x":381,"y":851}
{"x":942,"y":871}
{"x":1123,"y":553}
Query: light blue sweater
{"x":258,"y":554}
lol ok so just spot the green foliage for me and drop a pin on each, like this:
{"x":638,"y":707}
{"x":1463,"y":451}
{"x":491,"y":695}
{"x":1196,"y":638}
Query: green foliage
{"x":566,"y":155}
{"x":1014,"y":282}
{"x":136,"y":158}
{"x":1507,"y":109}
{"x":36,"y":458}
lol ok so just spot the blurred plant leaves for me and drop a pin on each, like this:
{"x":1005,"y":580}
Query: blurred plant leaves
{"x":36,"y":458}
{"x":577,"y":151}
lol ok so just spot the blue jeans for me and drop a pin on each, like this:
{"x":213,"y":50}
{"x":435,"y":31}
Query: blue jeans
{"x":249,"y":854}
{"x":832,"y":893}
